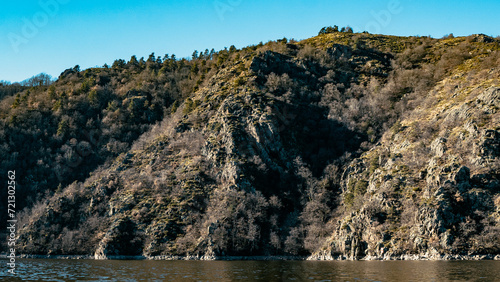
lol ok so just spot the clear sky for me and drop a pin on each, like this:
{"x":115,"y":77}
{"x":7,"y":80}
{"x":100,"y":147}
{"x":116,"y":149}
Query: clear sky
{"x":53,"y":35}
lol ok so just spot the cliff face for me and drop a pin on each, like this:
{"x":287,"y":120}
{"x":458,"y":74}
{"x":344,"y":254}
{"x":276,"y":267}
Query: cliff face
{"x":431,"y":186}
{"x":348,"y":145}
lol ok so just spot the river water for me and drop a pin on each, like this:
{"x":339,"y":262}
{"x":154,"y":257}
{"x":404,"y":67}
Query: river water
{"x":146,"y":270}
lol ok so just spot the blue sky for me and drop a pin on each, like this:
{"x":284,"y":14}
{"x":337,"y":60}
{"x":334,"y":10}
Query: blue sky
{"x":52,"y":35}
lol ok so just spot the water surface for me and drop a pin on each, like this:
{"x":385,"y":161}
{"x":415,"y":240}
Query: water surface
{"x":144,"y":270}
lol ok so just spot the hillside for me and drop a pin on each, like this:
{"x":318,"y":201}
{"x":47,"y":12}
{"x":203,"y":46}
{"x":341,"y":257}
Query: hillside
{"x":341,"y":145}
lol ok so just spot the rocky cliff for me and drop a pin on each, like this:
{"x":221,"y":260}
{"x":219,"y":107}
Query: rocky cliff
{"x":342,"y":145}
{"x":430,"y":187}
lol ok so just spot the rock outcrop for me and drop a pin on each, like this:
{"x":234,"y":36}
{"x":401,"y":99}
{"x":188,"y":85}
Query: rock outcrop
{"x":427,"y":198}
{"x":342,"y":146}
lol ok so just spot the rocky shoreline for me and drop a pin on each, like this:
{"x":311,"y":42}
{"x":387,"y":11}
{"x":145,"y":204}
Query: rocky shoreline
{"x":325,"y":257}
{"x":444,"y":257}
{"x":162,"y":257}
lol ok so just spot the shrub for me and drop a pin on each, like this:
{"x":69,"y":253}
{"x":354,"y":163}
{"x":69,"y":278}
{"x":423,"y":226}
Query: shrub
{"x":360,"y":187}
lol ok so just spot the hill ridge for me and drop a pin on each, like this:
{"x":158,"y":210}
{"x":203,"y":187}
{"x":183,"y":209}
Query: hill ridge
{"x":329,"y":147}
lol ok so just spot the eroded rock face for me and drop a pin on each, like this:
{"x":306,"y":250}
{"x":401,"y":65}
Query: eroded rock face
{"x":435,"y":205}
{"x":294,"y":149}
{"x":122,"y":239}
{"x":489,"y":147}
{"x":438,"y":147}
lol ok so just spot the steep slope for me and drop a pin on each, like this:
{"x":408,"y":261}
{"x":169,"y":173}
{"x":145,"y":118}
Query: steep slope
{"x":431,"y":186}
{"x":299,"y":148}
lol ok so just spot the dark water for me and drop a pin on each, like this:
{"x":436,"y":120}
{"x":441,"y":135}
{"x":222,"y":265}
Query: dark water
{"x":90,"y":270}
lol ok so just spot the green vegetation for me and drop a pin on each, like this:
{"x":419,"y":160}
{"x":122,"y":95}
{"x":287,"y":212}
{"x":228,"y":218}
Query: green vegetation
{"x":330,"y":29}
{"x":265,"y":150}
